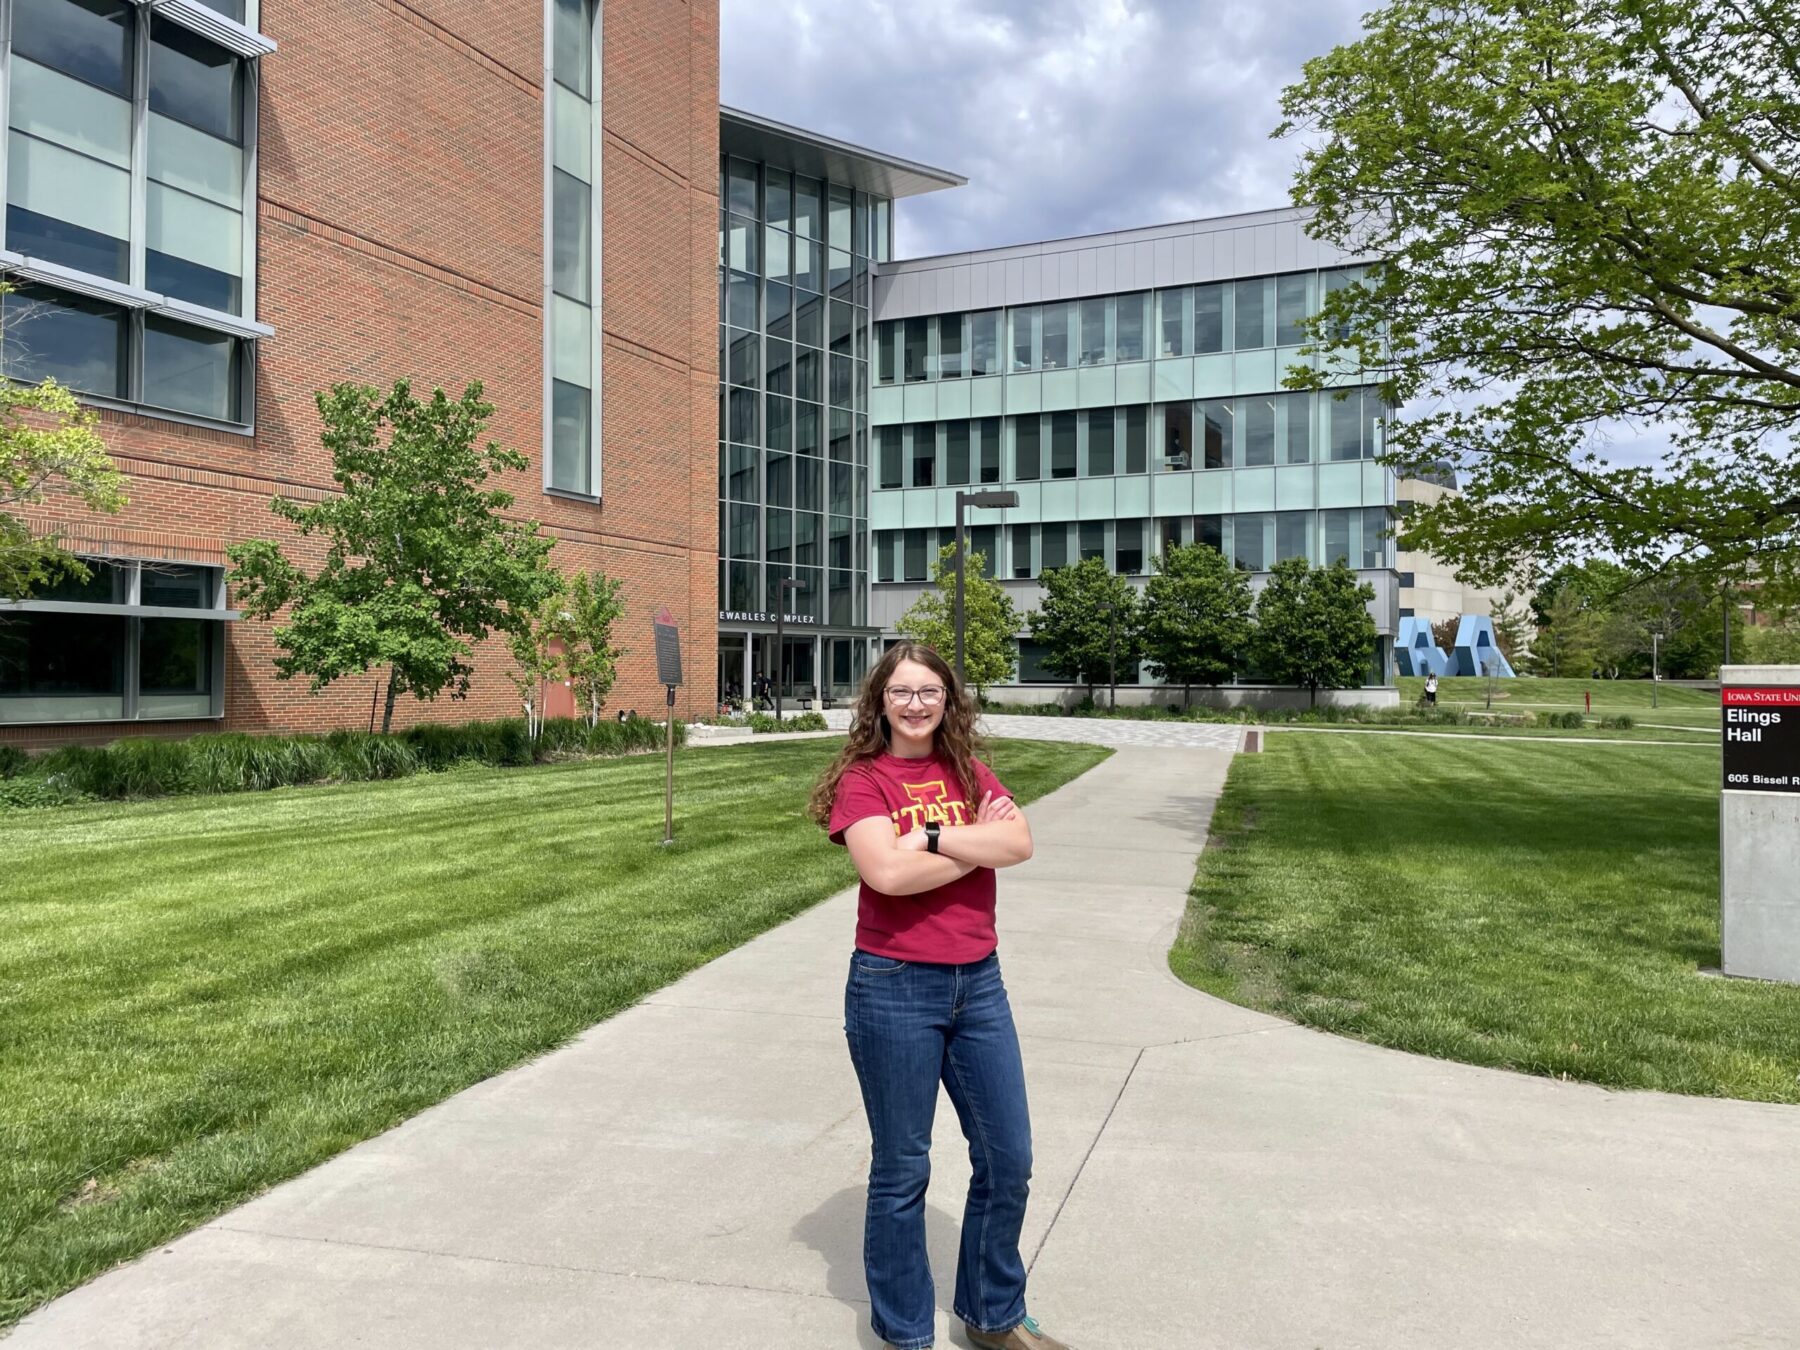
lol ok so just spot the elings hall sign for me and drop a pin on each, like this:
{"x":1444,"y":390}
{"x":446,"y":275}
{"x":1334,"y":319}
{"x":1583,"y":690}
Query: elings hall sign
{"x":1762,"y":739}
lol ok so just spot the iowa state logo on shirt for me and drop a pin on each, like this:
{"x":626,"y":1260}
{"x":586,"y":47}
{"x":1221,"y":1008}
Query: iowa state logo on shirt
{"x":928,"y":803}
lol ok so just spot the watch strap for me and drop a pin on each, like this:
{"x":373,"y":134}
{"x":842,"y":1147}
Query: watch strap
{"x":932,"y":829}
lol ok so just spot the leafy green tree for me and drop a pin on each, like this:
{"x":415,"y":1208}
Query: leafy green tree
{"x":50,"y":446}
{"x":420,"y":561}
{"x":1512,"y":628}
{"x":1583,"y":214}
{"x":1313,"y":627}
{"x":1566,"y":644}
{"x":1196,"y":618}
{"x":537,"y":657}
{"x":1087,"y":622}
{"x":1777,"y":645}
{"x":990,"y":620}
{"x":585,"y":616}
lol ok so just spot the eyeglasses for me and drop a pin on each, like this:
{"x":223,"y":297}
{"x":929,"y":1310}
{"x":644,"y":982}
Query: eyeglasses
{"x":931,"y":695}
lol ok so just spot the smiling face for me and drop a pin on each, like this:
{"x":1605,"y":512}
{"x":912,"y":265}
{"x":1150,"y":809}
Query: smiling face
{"x":913,"y":724}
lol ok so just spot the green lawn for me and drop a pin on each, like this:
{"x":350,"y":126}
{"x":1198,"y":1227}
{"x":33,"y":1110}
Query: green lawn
{"x":1534,"y":907}
{"x":1610,"y":696}
{"x":202,"y":996}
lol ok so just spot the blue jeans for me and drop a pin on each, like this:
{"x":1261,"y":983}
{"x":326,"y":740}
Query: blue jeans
{"x":910,"y":1026}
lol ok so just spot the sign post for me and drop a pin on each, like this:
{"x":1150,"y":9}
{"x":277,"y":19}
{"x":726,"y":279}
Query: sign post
{"x":668,"y":673}
{"x":1759,"y":823}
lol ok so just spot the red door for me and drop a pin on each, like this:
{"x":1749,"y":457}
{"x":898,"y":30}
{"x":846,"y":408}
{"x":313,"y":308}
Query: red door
{"x":559,"y":698}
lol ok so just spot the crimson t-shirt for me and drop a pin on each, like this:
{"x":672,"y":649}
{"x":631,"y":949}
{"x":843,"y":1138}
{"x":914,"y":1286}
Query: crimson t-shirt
{"x":951,"y":924}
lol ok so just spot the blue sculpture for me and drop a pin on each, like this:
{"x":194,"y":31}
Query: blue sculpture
{"x":1416,"y":650}
{"x":1477,"y":649}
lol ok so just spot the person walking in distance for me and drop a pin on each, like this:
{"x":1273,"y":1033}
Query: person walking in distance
{"x":1431,"y":688}
{"x":927,"y":823}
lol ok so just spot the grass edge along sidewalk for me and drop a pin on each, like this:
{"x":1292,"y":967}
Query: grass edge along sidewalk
{"x":204,"y":996}
{"x":1511,"y":906}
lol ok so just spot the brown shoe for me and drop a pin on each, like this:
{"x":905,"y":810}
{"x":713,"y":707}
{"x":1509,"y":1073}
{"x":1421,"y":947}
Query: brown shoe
{"x":1025,"y":1336}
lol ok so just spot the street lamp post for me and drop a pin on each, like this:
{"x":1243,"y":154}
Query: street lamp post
{"x":965,"y":499}
{"x":1112,"y":655}
{"x":1655,"y":667}
{"x":781,"y":603}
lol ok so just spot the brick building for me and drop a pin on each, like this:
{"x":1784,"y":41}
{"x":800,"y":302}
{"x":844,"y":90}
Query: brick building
{"x":215,"y":209}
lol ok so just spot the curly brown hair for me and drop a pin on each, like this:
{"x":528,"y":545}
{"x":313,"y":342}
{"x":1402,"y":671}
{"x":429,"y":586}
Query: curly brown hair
{"x":957,"y":740}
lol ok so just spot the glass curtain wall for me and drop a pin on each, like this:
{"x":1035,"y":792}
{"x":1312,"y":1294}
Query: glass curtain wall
{"x":129,"y":157}
{"x":574,"y":271}
{"x":794,"y":353}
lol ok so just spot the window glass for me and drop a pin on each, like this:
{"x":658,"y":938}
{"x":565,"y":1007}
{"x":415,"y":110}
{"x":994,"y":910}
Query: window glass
{"x":984,"y":345}
{"x":744,"y":358}
{"x":859,"y":229}
{"x":808,"y":208}
{"x":1056,"y":337}
{"x":1175,"y":319}
{"x":883,"y":228}
{"x":807,"y":264}
{"x":195,"y":82}
{"x":743,"y":427}
{"x":809,"y":488}
{"x":1025,"y":327}
{"x":79,"y":343}
{"x":809,"y":319}
{"x":1374,"y":536}
{"x":1292,"y":529}
{"x":571,"y":216}
{"x":885,"y":542}
{"x":839,"y":279}
{"x":778,"y":422}
{"x":807,"y":429}
{"x":843,"y":323}
{"x":1026,"y":433}
{"x":89,"y":39}
{"x":984,"y":543}
{"x":778,"y":359}
{"x":1256,"y":416}
{"x":107,"y":584}
{"x":887,"y":350}
{"x":1128,"y":547}
{"x":740,"y":302}
{"x":778,"y":540}
{"x":741,"y":477}
{"x":1209,"y":319}
{"x":1062,"y":445}
{"x":778,"y":478}
{"x":950,"y":347}
{"x":841,"y":447}
{"x":1216,"y":430}
{"x":64,"y":206}
{"x":1137,"y":439}
{"x":778,"y":264}
{"x":1130,"y":326}
{"x":1100,"y":442}
{"x":1022,"y":560}
{"x":1293,"y":304}
{"x":1250,"y":541}
{"x":1095,"y":350}
{"x":1337,"y":531}
{"x":1053,"y":546}
{"x":989,"y":433}
{"x":1253,"y":326}
{"x":192,"y":370}
{"x":806,"y":375}
{"x":923,"y":438}
{"x":1296,"y":432}
{"x":956,"y":453}
{"x":62,"y":667}
{"x":778,"y":197}
{"x":571,"y":466}
{"x":915,"y":560}
{"x":1346,"y":425}
{"x":918,"y":349}
{"x":839,"y":234}
{"x":572,"y":58}
{"x":1178,"y":436}
{"x":1093,"y":539}
{"x":1374,"y":424}
{"x":778,"y":307}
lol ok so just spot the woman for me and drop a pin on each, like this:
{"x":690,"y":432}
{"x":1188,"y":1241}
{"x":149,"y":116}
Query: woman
{"x":926,"y":824}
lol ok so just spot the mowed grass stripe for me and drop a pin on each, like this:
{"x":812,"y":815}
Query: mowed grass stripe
{"x":1528,"y":907}
{"x":202,"y":996}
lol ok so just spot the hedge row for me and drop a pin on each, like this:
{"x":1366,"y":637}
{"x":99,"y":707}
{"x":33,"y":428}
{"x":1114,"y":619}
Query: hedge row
{"x":235,"y":762}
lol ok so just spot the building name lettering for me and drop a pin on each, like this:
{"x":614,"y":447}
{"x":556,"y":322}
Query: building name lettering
{"x":758,"y":616}
{"x":1741,"y":724}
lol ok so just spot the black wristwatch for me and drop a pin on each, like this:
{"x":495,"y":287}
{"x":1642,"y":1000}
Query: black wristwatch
{"x":932,"y":830}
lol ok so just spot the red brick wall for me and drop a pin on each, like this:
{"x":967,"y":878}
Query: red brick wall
{"x":401,"y":233}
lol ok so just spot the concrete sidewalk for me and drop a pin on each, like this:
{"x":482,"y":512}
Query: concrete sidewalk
{"x":691,"y":1172}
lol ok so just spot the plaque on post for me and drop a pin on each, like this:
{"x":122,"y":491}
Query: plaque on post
{"x":1759,"y":823}
{"x":668,"y":674}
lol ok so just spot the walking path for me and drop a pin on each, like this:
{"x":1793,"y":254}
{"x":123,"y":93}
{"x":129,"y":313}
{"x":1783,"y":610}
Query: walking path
{"x":1207,"y":1178}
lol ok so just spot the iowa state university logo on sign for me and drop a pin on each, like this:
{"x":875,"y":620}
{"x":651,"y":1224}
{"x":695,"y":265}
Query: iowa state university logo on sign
{"x":1762,"y":739}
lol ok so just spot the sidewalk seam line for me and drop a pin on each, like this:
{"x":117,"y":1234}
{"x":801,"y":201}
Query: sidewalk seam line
{"x":1092,"y":1145}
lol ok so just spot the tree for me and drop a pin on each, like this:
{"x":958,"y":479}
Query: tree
{"x":419,"y":562}
{"x":1585,"y":216}
{"x":538,"y":657}
{"x":990,"y":619}
{"x":1443,"y":632}
{"x":1511,"y":629}
{"x":1566,"y":643}
{"x":1087,"y":622}
{"x":1313,"y":627}
{"x":1196,"y":618}
{"x":49,"y":445}
{"x":585,"y":618}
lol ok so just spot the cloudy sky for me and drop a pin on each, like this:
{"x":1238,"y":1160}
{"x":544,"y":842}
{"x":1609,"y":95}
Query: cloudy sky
{"x":1067,"y":116}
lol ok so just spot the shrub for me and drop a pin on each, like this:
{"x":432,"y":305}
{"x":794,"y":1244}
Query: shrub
{"x":763,"y":723}
{"x":808,"y":721}
{"x":1623,"y":722}
{"x":504,"y":744}
{"x":1567,"y":721}
{"x":362,"y":757}
{"x":20,"y":794}
{"x":236,"y":762}
{"x":12,"y":761}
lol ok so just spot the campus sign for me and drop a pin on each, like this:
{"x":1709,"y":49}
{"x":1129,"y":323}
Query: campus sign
{"x":759,"y":616}
{"x":1762,"y":738}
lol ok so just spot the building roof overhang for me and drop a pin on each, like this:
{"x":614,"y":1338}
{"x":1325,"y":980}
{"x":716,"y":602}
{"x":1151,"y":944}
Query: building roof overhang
{"x":784,"y":147}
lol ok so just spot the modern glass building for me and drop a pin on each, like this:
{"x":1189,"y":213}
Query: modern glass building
{"x":1129,"y":387}
{"x":805,"y":223}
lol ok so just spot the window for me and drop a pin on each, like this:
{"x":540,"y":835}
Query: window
{"x":1022,"y":560}
{"x":1375,"y":528}
{"x":193,"y":370}
{"x":1056,"y":336}
{"x":924,"y":453}
{"x":984,"y":540}
{"x":1293,"y":305}
{"x":1293,"y":530}
{"x":1254,"y":324}
{"x":778,"y":478}
{"x":574,"y":342}
{"x":1100,"y":424}
{"x":1209,"y":319}
{"x":1175,"y":316}
{"x":1295,"y":414}
{"x":882,"y":228}
{"x":81,"y":343}
{"x":1137,"y":439}
{"x":1174,"y":530}
{"x":1178,"y":436}
{"x":1216,"y":430}
{"x":1025,"y":329}
{"x":916,"y":548}
{"x":1250,"y":539}
{"x":1337,"y":531}
{"x":1062,"y":445}
{"x":984,"y":345}
{"x":1130,"y":326}
{"x":956,"y":453}
{"x":809,"y":221}
{"x":1092,"y":539}
{"x":1128,"y":547}
{"x":887,"y":350}
{"x":1095,"y":349}
{"x":887,"y":543}
{"x":1256,"y":414}
{"x":1210,"y":530}
{"x":1407,"y":581}
{"x":950,"y":347}
{"x":1054,"y":546}
{"x":842,"y":324}
{"x":989,"y":431}
{"x":1026,"y":433}
{"x":838,"y":234}
{"x":1346,"y":425}
{"x":918,"y":349}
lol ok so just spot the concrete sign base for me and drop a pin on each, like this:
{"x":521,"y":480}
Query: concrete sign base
{"x":1759,"y":823}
